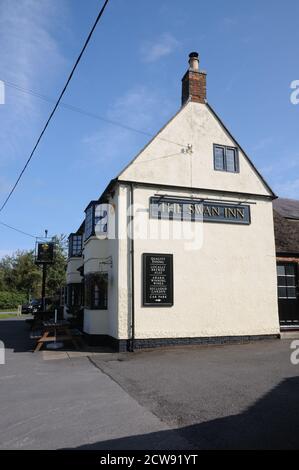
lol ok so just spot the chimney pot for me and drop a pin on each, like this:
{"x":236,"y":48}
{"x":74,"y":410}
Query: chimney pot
{"x":193,"y":61}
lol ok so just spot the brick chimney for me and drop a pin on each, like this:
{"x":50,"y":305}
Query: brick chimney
{"x":194,"y":82}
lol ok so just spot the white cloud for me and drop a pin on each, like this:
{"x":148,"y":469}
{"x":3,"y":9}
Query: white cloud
{"x":163,"y":46}
{"x":31,"y":58}
{"x":138,"y":109}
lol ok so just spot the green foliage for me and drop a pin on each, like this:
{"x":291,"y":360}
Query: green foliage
{"x":9,"y":299}
{"x":20,"y":276}
{"x":56,"y":271}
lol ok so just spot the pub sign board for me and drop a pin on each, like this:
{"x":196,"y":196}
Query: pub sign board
{"x":157,"y":280}
{"x":45,"y":252}
{"x":197,"y":210}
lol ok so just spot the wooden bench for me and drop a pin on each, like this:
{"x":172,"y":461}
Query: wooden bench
{"x":59,"y":331}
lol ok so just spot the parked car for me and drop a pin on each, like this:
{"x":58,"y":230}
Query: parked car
{"x":34,"y":306}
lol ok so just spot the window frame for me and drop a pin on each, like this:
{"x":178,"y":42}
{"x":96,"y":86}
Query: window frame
{"x":286,"y":276}
{"x":96,"y":219}
{"x":90,"y":207}
{"x":73,"y":297}
{"x":100,"y":214}
{"x":225,"y":148}
{"x":90,"y":284}
{"x":71,"y":237}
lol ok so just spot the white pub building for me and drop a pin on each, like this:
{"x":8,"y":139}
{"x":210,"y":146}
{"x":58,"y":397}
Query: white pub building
{"x":179,"y":249}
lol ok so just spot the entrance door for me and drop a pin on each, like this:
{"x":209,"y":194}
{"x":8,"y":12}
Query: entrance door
{"x":288,"y":302}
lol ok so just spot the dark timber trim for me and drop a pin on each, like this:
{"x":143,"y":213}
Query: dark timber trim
{"x":287,"y":254}
{"x":187,"y":188}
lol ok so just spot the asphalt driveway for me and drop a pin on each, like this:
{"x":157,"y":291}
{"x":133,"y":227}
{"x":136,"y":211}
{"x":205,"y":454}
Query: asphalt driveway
{"x":240,"y":396}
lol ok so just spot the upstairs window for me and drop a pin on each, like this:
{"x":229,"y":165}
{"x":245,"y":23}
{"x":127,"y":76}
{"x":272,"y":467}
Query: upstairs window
{"x":226,"y":158}
{"x":101,"y":216}
{"x":96,"y":216}
{"x":75,"y":245}
{"x":89,"y":221}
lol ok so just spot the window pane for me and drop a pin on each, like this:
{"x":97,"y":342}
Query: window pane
{"x":290,"y":269}
{"x":89,"y":222}
{"x":280,"y":270}
{"x":230,"y":160}
{"x":101,"y":218}
{"x":281,"y":281}
{"x":96,"y":290}
{"x":291,"y":292}
{"x":282,"y":292}
{"x":219,"y":158}
{"x":291,"y":281}
{"x":77,"y":244}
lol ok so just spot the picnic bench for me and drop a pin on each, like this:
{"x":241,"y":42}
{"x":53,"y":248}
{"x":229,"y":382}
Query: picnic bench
{"x":59,"y":331}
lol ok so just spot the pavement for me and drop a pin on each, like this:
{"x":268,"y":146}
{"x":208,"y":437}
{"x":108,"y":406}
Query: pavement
{"x":203,"y":397}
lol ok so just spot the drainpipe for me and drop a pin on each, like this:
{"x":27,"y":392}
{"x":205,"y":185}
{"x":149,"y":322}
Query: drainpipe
{"x":132,"y":342}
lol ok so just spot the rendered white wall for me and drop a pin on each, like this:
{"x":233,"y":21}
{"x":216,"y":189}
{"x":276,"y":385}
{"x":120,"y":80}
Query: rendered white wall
{"x":227,"y":287}
{"x":162,"y":161}
{"x":103,"y":322}
{"x":72,"y":273}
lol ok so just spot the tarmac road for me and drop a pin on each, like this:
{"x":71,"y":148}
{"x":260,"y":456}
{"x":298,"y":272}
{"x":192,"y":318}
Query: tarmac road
{"x":241,"y":396}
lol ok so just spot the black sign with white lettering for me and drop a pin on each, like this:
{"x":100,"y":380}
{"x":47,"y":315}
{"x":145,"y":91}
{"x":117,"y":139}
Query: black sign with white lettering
{"x":172,"y":208}
{"x":157,"y":280}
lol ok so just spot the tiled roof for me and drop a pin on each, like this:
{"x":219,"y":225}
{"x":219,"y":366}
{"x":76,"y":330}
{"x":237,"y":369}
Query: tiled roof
{"x":288,"y":208}
{"x":286,"y":225}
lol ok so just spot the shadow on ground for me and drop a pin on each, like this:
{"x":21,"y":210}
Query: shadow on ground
{"x":271,"y":423}
{"x":16,"y":335}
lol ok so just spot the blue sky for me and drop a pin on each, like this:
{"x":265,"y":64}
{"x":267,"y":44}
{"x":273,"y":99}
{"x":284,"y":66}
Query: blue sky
{"x":131,"y":73}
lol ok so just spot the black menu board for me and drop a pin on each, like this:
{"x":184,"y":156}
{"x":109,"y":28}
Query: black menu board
{"x":157,"y":280}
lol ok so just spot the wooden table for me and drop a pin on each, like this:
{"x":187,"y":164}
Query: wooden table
{"x":59,"y":331}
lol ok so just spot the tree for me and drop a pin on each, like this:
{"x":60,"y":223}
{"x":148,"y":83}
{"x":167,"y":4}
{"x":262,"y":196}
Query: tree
{"x":20,"y":275}
{"x":57,"y":270}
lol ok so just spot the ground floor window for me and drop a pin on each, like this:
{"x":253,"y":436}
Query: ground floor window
{"x":74,"y":295}
{"x":96,"y":291}
{"x":286,"y":281}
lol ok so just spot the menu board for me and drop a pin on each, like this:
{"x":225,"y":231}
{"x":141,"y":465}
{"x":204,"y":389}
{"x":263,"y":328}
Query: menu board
{"x":157,"y":280}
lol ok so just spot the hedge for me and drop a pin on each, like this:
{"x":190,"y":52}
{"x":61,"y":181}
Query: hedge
{"x":10,"y":299}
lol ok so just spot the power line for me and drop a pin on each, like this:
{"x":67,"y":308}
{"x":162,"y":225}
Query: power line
{"x":18,"y":230}
{"x":56,"y":105}
{"x":90,"y":114}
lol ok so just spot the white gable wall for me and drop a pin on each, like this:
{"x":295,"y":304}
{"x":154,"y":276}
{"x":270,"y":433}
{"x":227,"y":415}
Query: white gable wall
{"x":163,"y":162}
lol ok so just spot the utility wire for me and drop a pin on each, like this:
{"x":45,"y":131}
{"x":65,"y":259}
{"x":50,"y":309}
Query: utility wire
{"x":90,"y":114}
{"x":18,"y":230}
{"x":56,"y":105}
